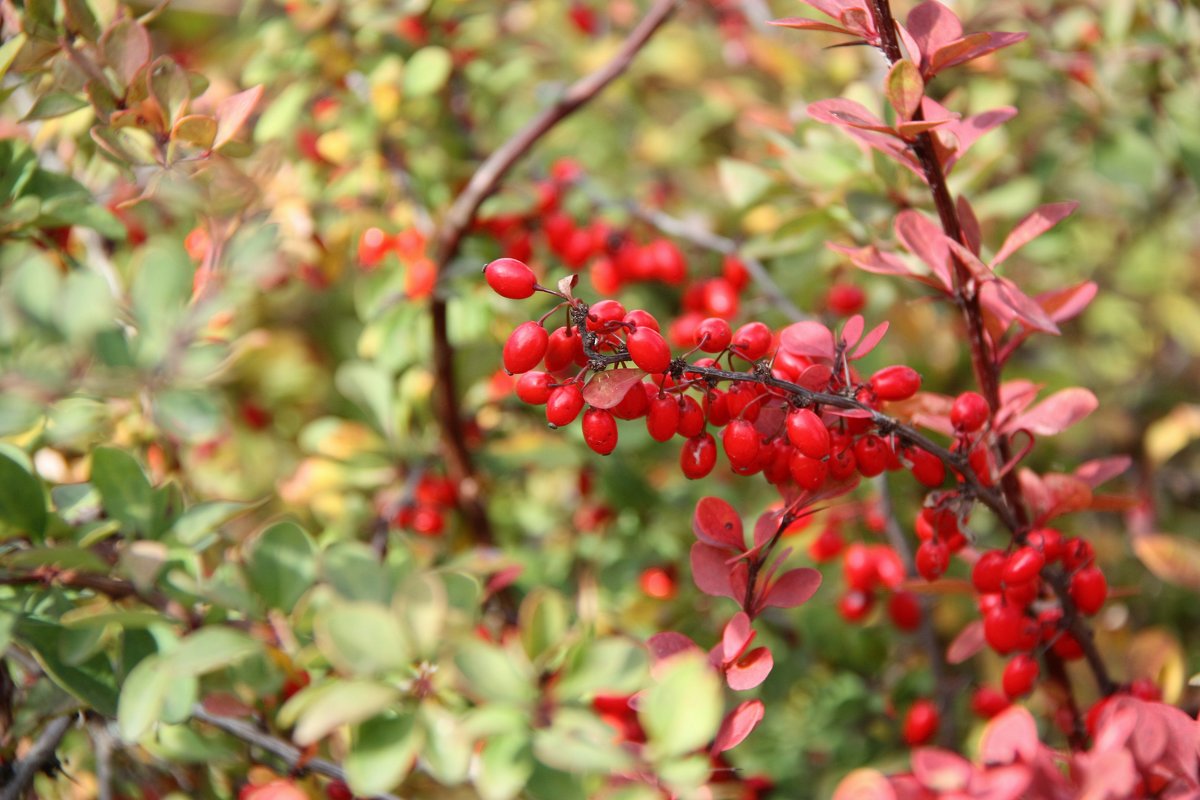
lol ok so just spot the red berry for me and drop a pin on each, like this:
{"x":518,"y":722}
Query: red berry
{"x":858,"y":567}
{"x":1019,"y":676}
{"x":564,"y":348}
{"x":988,"y":573}
{"x":428,"y":521}
{"x":691,"y":417}
{"x":969,"y":412}
{"x":904,"y":610}
{"x":889,"y":568}
{"x":986,"y":702}
{"x":337,"y":790}
{"x":564,"y":405}
{"x":525,"y":348}
{"x":636,"y":401}
{"x":648,"y":349}
{"x":898,"y":382}
{"x":720,"y":298}
{"x":808,"y":473}
{"x":658,"y":582}
{"x":1024,"y":565}
{"x":698,"y":456}
{"x":373,"y":245}
{"x":1007,"y":628}
{"x":600,"y":430}
{"x":870,"y":455}
{"x":920,"y":723}
{"x":751,"y":341}
{"x":1145,"y":689}
{"x":855,"y":604}
{"x":642,"y":319}
{"x":662,"y":418}
{"x":534,"y":387}
{"x":741,"y":442}
{"x":845,"y":299}
{"x":841,"y":463}
{"x":735,"y":272}
{"x":603,"y":314}
{"x":510,"y":278}
{"x":713,"y":335}
{"x":1089,"y":590}
{"x":926,"y":467}
{"x":808,"y":433}
{"x":716,"y":408}
{"x":932,"y":559}
{"x":826,"y":546}
{"x":1077,"y":553}
{"x":666,"y":262}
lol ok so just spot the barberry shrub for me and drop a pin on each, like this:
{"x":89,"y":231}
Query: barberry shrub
{"x":294,"y":502}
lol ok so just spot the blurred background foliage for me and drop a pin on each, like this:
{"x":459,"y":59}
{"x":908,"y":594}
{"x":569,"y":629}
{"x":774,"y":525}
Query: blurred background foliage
{"x":193,"y":298}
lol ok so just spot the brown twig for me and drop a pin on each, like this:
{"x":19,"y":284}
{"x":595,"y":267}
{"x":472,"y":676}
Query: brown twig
{"x":40,"y":756}
{"x":113,"y":588}
{"x":987,"y":370}
{"x":457,"y":223}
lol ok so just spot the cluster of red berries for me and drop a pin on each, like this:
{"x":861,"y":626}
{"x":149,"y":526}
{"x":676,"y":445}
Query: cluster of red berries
{"x":424,"y":513}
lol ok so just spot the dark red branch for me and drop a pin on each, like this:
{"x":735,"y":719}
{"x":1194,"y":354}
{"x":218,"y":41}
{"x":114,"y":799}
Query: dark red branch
{"x":454,"y":228}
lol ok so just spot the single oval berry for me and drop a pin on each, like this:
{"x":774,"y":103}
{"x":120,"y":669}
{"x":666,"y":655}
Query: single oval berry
{"x":898,"y":382}
{"x":904,"y":611}
{"x":1089,"y":590}
{"x":920,"y":723}
{"x":988,"y":573}
{"x":534,"y":387}
{"x":691,"y":417}
{"x":826,"y":546}
{"x":720,"y":298}
{"x":932,"y":559}
{"x":752,"y":341}
{"x":870,"y":455}
{"x":855,"y":604}
{"x":662,"y":418}
{"x":698,"y":456}
{"x":808,"y":433}
{"x":603,"y":314}
{"x":1006,"y":629}
{"x":969,"y":412}
{"x":1077,"y":553}
{"x":841,"y":463}
{"x":926,"y":467}
{"x":642,"y":319}
{"x":564,"y":348}
{"x":510,"y":278}
{"x":525,"y":348}
{"x":648,"y":349}
{"x":564,"y":405}
{"x":741,"y":442}
{"x":713,"y":335}
{"x":600,"y":430}
{"x":845,"y":299}
{"x":858,"y":567}
{"x":1019,"y":676}
{"x":808,"y":473}
{"x":1024,"y":565}
{"x":986,"y":702}
{"x":635,"y":402}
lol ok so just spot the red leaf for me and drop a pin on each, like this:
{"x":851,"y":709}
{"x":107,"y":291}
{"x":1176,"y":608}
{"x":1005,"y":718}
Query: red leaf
{"x":967,"y":131}
{"x":1057,"y":412}
{"x":870,"y":341}
{"x":738,"y":725}
{"x":1002,"y":297}
{"x":1003,"y":783}
{"x":933,"y":26}
{"x":969,"y":48}
{"x":1102,"y":470}
{"x":715,"y":522}
{"x":710,"y":572}
{"x":848,"y":114}
{"x":1011,"y":735}
{"x":800,"y":23}
{"x":736,"y":637}
{"x":852,"y":330}
{"x":126,"y":48}
{"x":1064,"y":304}
{"x":750,"y":670}
{"x":859,"y":22}
{"x":948,"y":771}
{"x":232,"y":113}
{"x":966,"y":644}
{"x":808,"y":338}
{"x":815,"y":378}
{"x":765,"y":527}
{"x":833,"y":8}
{"x":865,"y":784}
{"x":607,"y":389}
{"x":794,"y":587}
{"x":669,"y":643}
{"x":978,"y":270}
{"x":969,"y":224}
{"x":925,"y":240}
{"x":1032,"y":226}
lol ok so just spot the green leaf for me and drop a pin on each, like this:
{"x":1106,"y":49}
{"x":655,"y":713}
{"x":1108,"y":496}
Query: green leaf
{"x":86,"y":306}
{"x":355,"y":573}
{"x":341,"y":703}
{"x":422,"y":607}
{"x":169,"y":87}
{"x":494,"y":674}
{"x":685,"y":775}
{"x":126,"y":48}
{"x":189,"y":415}
{"x":202,"y":519}
{"x":197,"y":129}
{"x":55,"y":104}
{"x":9,"y":50}
{"x":143,"y":696}
{"x":80,"y":18}
{"x":612,"y":665}
{"x":280,"y":117}
{"x":504,"y":765}
{"x":905,"y":88}
{"x":382,"y":753}
{"x":742,"y":182}
{"x":578,"y":741}
{"x":282,"y":564}
{"x":427,"y":71}
{"x":124,"y":489}
{"x":371,"y":388}
{"x":682,"y":710}
{"x":361,"y":638}
{"x":542,"y":620}
{"x":447,"y":751}
{"x":209,"y":649}
{"x":92,"y":682}
{"x":22,"y":500}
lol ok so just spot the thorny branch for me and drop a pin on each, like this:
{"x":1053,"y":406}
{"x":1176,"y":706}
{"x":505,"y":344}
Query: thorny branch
{"x":457,"y":223}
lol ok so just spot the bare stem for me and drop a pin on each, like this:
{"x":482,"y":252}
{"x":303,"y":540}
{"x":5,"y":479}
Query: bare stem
{"x":457,"y":223}
{"x":40,"y":756}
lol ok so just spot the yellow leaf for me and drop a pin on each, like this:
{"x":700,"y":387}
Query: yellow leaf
{"x":1155,"y":653}
{"x":1171,"y":558}
{"x":1170,"y":434}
